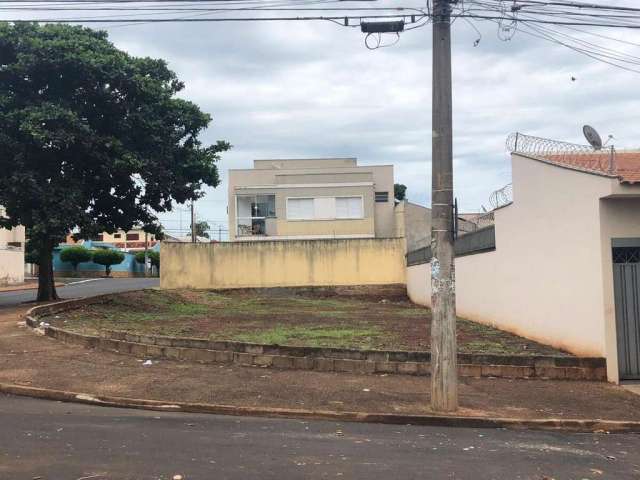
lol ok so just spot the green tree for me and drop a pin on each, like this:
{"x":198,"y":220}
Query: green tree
{"x":31,"y":252}
{"x":91,"y":138}
{"x":75,"y":255}
{"x":399,"y":191}
{"x":154,"y":258}
{"x":201,"y":229}
{"x":107,"y":257}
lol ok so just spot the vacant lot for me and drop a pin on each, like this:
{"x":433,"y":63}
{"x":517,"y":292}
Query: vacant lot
{"x":286,"y":317}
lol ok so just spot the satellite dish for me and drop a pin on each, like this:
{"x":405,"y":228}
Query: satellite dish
{"x":592,"y":137}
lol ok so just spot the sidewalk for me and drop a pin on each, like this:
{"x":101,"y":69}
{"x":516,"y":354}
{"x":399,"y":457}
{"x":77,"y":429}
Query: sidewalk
{"x":27,"y":285}
{"x":36,"y":361}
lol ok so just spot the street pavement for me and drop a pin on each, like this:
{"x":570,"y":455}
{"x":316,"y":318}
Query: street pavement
{"x":81,"y":288}
{"x":56,"y":441}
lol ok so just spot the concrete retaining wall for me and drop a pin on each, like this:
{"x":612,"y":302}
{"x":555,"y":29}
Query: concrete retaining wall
{"x":331,"y":360}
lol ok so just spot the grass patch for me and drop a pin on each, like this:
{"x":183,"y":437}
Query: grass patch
{"x":285,"y":318}
{"x":412,"y":312}
{"x":488,"y":347}
{"x":310,"y":336}
{"x":188,"y":309}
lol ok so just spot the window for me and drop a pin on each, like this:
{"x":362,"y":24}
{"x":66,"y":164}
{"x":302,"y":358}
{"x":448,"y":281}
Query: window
{"x":264,"y":206}
{"x":349,"y":207}
{"x":324,"y":208}
{"x":100,"y":237}
{"x":133,"y":236}
{"x":626,"y":255}
{"x":252,"y":212}
{"x":117,"y":235}
{"x":300,"y":209}
{"x":382,"y":197}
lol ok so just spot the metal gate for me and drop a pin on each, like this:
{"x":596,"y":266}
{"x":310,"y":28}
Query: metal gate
{"x":626,"y":284}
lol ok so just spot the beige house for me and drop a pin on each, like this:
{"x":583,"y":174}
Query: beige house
{"x":12,"y":244}
{"x":413,"y":223}
{"x":564,"y":267}
{"x":129,"y":241}
{"x":311,"y":199}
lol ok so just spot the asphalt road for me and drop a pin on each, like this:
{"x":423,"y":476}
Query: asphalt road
{"x":55,"y":441}
{"x":82,"y":288}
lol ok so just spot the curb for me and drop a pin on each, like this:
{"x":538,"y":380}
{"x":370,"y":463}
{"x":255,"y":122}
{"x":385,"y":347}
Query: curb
{"x":27,"y":288}
{"x":567,"y":425}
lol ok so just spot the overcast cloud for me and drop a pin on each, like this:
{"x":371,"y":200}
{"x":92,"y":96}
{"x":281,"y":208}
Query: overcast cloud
{"x":283,"y":90}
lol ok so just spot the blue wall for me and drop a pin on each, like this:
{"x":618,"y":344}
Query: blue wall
{"x":128,"y":265}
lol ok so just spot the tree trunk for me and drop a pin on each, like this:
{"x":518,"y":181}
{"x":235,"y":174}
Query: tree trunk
{"x":46,"y":284}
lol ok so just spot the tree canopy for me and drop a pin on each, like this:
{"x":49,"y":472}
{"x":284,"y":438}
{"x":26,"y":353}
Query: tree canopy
{"x":107,"y":257}
{"x":201,"y":229}
{"x":92,"y":139}
{"x":399,"y":191}
{"x":75,"y":255}
{"x":154,"y":257}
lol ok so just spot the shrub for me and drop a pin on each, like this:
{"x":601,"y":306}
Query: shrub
{"x":107,"y":257}
{"x":75,"y":255}
{"x":154,"y":257}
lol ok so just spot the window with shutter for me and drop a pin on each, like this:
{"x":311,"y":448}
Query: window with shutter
{"x":300,"y":209}
{"x":349,"y":207}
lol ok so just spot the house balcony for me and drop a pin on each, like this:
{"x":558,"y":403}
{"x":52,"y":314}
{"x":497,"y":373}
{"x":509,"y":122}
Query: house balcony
{"x":255,"y":215}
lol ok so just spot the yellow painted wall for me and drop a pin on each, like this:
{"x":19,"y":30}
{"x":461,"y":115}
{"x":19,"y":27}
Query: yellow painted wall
{"x":282,"y":263}
{"x":362,"y":226}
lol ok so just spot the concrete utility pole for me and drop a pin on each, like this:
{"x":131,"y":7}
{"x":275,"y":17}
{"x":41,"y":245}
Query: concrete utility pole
{"x":444,"y":368}
{"x":146,"y":253}
{"x":193,"y":224}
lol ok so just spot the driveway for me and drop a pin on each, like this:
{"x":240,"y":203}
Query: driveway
{"x":81,"y":288}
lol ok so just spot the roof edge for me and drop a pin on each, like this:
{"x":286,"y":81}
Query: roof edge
{"x":575,"y":168}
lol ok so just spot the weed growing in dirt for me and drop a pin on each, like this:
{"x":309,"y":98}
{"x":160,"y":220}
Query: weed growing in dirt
{"x":311,"y":336}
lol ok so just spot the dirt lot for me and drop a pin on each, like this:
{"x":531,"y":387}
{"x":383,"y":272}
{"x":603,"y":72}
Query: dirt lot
{"x":287,"y":317}
{"x":38,"y":361}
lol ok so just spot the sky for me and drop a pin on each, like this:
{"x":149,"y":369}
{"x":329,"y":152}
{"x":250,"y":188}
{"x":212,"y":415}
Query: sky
{"x":312,"y":89}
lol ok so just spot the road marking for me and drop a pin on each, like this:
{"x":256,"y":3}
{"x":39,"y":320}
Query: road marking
{"x":83,"y":281}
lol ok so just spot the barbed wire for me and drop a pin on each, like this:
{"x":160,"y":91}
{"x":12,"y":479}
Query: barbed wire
{"x":583,"y":157}
{"x":521,"y":143}
{"x":501,"y":197}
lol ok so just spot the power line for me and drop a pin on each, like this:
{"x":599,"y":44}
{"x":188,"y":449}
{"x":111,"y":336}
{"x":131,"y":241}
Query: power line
{"x":536,"y":18}
{"x":226,"y":19}
{"x":594,"y":6}
{"x":494,"y":11}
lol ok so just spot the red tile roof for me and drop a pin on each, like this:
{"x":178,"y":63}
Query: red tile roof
{"x":625,"y":165}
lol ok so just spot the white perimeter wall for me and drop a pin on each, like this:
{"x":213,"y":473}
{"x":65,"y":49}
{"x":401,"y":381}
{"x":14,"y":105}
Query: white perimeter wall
{"x":11,"y":266}
{"x":545,"y":279}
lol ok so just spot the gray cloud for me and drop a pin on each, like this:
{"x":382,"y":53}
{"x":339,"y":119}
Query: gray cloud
{"x":313,"y":89}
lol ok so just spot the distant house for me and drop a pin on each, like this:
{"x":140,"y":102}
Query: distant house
{"x":128,"y":268}
{"x":311,"y":199}
{"x":130,"y":241}
{"x":324,"y":198}
{"x":185,"y":239}
{"x":413,"y":222}
{"x":562,"y":263}
{"x":12,"y":243}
